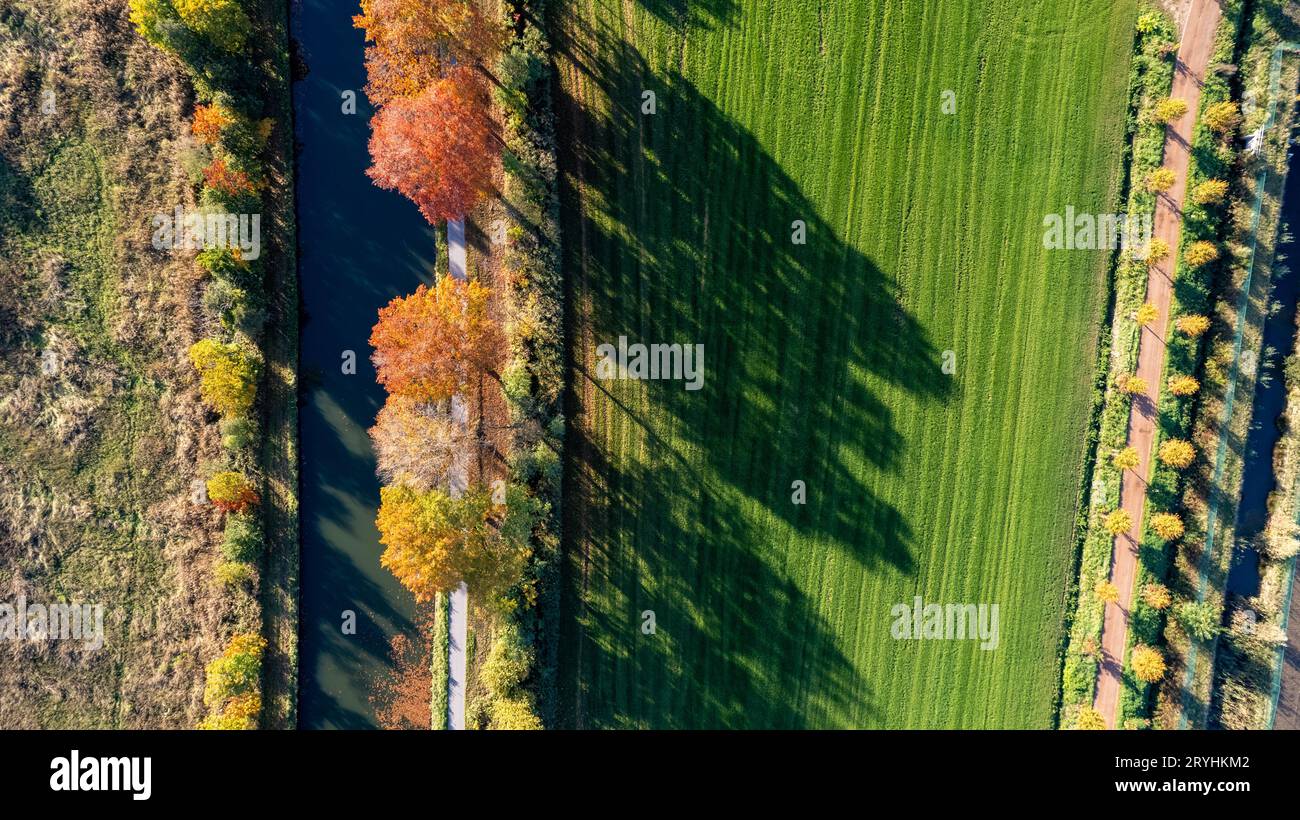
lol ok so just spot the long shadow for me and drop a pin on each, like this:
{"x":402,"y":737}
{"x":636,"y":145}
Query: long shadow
{"x":678,"y":229}
{"x":698,"y":14}
{"x":1283,"y":15}
{"x":19,"y":216}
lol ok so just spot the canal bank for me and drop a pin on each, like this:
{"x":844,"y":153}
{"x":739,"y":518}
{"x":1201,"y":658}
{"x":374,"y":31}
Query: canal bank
{"x":359,"y":247}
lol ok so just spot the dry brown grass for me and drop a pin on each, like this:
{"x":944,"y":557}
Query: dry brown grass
{"x":98,"y":458}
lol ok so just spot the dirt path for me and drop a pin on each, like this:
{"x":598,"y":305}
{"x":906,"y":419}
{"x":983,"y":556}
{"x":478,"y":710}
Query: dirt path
{"x":1193,"y":58}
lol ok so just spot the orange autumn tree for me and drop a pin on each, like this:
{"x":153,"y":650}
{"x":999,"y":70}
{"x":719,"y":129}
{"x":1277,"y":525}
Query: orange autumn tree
{"x":436,"y":342}
{"x":437,"y":148}
{"x":411,"y":44}
{"x":208,"y":122}
{"x":433,"y":541}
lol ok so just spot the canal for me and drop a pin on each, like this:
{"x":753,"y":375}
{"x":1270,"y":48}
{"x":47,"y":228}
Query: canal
{"x":359,"y":247}
{"x":1270,"y":400}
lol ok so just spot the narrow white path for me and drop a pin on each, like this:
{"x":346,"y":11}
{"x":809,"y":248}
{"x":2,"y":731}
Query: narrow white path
{"x":456,"y":248}
{"x":458,"y":622}
{"x":459,"y":627}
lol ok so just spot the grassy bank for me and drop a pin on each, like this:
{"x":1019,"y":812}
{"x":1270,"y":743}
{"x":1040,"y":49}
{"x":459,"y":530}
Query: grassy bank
{"x":104,"y":445}
{"x":279,"y":455}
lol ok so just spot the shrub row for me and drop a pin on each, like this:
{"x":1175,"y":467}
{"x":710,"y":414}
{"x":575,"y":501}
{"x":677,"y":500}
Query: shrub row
{"x":224,"y":163}
{"x":533,"y":378}
{"x":1151,"y":77}
{"x":1200,"y":265}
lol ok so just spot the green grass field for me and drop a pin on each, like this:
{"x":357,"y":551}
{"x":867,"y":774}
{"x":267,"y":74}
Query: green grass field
{"x":823,"y":360}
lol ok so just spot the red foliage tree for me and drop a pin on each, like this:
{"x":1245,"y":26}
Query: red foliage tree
{"x":437,"y":148}
{"x":228,"y":180}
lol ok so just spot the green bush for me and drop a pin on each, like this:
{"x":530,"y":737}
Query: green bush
{"x":237,"y":309}
{"x":242,"y":540}
{"x":235,"y":573}
{"x":514,"y":714}
{"x":508,"y":663}
{"x":1201,"y":620}
{"x":238,"y":433}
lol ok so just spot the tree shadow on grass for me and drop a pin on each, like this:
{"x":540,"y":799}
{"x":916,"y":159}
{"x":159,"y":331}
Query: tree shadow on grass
{"x":678,"y":229}
{"x":701,"y":14}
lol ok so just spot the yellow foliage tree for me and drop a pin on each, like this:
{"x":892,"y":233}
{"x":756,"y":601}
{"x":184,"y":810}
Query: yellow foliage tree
{"x":1209,"y":192}
{"x":434,"y":541}
{"x":1118,"y":522}
{"x":233,"y":685}
{"x":227,"y":375}
{"x":1157,"y":596}
{"x":1177,"y":453}
{"x":1106,"y":592}
{"x":1183,"y":385}
{"x":1200,"y":253}
{"x":1222,"y":117}
{"x":1167,"y":525}
{"x":1157,"y":250}
{"x":1148,"y":664}
{"x":1160,"y":180}
{"x":1193,"y":324}
{"x":1125,"y":459}
{"x":231,"y":491}
{"x":1090,"y":720}
{"x":513,"y":714}
{"x":1133,"y":385}
{"x":1169,"y":109}
{"x":221,"y":22}
{"x":240,"y":713}
{"x":1147,"y":314}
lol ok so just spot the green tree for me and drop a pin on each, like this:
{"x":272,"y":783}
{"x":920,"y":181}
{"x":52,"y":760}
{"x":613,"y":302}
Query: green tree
{"x":1201,"y":620}
{"x":221,"y":22}
{"x":242,"y":540}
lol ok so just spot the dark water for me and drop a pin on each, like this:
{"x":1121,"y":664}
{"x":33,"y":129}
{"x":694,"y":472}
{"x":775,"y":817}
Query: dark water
{"x":1270,"y":401}
{"x":359,"y":247}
